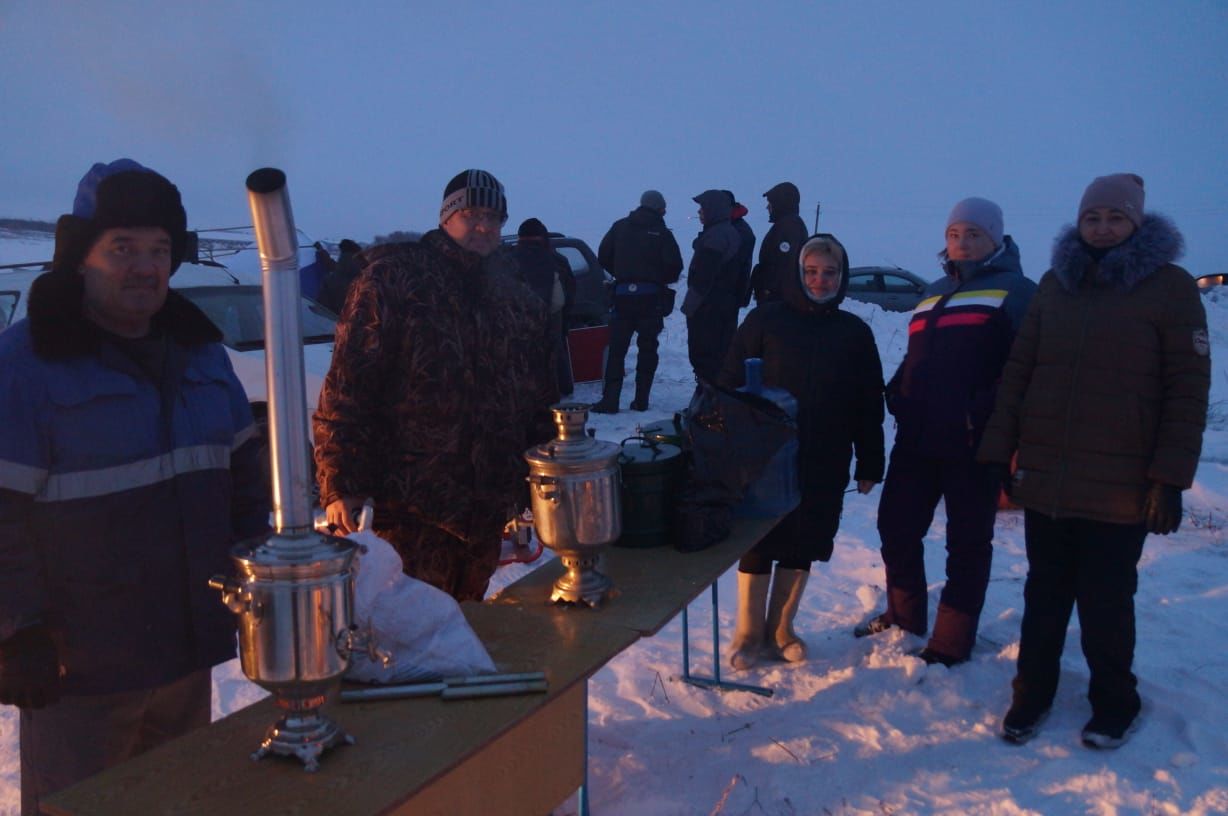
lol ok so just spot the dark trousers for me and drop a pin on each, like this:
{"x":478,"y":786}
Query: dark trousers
{"x":911,"y":491}
{"x":621,"y":328}
{"x":709,"y":334}
{"x":460,"y":568}
{"x":81,"y":736}
{"x":1093,"y":564}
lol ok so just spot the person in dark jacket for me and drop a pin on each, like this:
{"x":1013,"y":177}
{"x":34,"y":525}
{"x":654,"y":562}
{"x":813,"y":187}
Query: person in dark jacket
{"x":712,"y":296}
{"x":941,"y":396}
{"x":336,"y":284}
{"x":549,"y":275}
{"x":442,"y":377}
{"x":827,"y":359}
{"x":312,"y":276}
{"x":1105,"y":400}
{"x":640,"y":252}
{"x":746,"y":249}
{"x":129,"y":468}
{"x":778,"y":252}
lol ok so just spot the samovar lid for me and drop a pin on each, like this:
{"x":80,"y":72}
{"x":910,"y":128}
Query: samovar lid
{"x":572,"y":450}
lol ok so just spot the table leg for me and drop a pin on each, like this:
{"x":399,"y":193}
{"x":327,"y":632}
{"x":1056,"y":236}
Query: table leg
{"x":714,"y":682}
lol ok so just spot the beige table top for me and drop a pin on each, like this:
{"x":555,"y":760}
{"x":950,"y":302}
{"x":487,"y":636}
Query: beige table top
{"x":651,"y":585}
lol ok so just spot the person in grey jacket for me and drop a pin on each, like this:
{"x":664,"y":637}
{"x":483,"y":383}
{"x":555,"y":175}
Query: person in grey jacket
{"x":712,"y":297}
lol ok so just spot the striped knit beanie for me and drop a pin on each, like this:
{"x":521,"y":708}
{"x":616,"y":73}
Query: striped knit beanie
{"x":473,"y":188}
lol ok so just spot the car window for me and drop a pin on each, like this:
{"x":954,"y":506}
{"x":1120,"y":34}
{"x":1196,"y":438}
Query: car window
{"x":8,"y":305}
{"x":238,"y":311}
{"x":865,"y":283}
{"x":579,"y":264}
{"x":898,"y":283}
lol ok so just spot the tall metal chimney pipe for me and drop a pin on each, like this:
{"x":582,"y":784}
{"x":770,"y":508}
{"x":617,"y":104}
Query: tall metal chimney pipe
{"x":289,"y":438}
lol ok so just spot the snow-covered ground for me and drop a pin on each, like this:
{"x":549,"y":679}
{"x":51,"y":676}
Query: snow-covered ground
{"x":863,"y":727}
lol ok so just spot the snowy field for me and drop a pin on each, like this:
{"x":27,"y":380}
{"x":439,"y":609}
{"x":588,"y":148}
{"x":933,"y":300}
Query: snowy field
{"x":863,"y":727}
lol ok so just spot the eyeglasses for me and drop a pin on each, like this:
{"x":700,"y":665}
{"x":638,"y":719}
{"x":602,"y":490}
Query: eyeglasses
{"x":481,"y":216}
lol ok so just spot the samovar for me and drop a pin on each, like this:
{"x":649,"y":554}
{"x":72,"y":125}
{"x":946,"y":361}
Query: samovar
{"x":577,"y":509}
{"x":294,"y":593}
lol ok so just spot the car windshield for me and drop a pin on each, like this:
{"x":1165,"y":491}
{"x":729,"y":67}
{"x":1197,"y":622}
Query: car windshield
{"x":238,"y":311}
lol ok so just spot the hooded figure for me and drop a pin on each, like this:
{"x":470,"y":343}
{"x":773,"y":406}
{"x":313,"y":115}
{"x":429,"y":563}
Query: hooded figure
{"x":1105,"y":400}
{"x":712,"y":297}
{"x":778,"y":253}
{"x":827,"y":359}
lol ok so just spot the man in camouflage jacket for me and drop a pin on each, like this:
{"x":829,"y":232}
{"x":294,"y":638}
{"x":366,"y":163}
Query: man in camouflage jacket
{"x":441,"y":379}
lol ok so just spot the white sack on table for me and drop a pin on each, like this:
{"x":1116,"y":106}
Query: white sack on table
{"x":420,"y":626}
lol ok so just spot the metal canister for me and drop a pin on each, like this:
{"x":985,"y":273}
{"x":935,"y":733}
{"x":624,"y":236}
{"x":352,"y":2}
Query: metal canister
{"x":652,"y":474}
{"x":577,"y":508}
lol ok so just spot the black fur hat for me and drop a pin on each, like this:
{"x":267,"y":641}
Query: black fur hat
{"x":123,"y":193}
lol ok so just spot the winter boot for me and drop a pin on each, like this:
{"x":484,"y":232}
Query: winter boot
{"x":748,"y":632}
{"x":642,"y":387}
{"x":609,"y":398}
{"x":787,"y":589}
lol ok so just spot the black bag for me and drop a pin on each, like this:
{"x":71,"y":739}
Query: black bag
{"x":732,"y":436}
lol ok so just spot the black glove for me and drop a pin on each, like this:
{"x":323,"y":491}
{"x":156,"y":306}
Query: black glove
{"x":29,"y":668}
{"x":1000,"y":473}
{"x":1162,"y":508}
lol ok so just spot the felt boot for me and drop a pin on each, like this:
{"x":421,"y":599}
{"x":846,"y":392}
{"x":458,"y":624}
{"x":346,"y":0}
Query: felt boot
{"x":748,"y":631}
{"x":787,"y":589}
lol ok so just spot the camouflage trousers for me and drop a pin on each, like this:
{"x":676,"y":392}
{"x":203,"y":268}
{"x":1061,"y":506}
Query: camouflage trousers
{"x":460,"y":568}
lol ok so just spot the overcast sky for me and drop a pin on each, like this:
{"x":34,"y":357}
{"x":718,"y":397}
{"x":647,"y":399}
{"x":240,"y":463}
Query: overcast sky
{"x":886,"y":113}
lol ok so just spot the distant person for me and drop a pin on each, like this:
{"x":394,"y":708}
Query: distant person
{"x":549,"y":275}
{"x":941,"y":396}
{"x":336,"y":284}
{"x":712,"y":296}
{"x":827,"y":359}
{"x":778,"y":252}
{"x":1105,"y":400}
{"x":746,"y":250}
{"x":642,"y":255}
{"x":442,"y":377}
{"x":129,"y":468}
{"x":313,"y":274}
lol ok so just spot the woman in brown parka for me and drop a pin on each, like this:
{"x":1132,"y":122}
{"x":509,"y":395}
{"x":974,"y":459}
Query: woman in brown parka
{"x":1105,"y":399}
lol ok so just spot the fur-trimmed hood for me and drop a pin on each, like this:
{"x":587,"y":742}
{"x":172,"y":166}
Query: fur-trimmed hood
{"x":1155,"y":243}
{"x":60,"y":331}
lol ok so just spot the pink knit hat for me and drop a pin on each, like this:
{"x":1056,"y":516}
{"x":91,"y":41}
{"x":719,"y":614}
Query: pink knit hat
{"x":1121,"y":191}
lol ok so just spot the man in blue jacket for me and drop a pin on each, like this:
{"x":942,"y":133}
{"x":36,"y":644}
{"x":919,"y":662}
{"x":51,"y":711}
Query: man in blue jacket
{"x":959,"y":337}
{"x":129,"y":467}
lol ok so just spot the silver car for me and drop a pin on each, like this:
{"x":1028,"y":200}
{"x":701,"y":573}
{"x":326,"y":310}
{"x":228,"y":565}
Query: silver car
{"x":894,"y":289}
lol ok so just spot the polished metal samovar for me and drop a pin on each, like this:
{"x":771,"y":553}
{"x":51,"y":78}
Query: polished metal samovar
{"x":294,"y":593}
{"x":577,"y":506}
